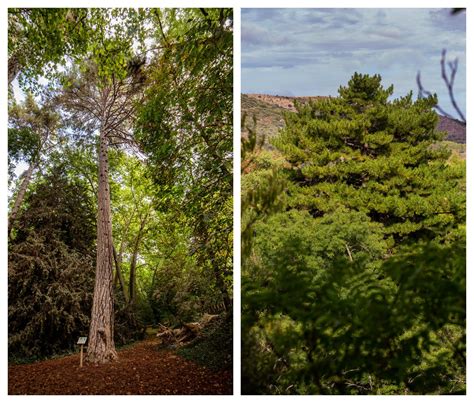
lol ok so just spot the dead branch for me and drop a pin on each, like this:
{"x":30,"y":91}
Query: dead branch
{"x":449,"y":82}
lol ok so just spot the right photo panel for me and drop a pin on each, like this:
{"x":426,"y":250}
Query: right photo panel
{"x":353,"y":201}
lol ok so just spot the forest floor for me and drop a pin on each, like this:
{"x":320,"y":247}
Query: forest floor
{"x":141,"y":369}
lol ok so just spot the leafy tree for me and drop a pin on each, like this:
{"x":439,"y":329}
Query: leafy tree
{"x":41,"y":39}
{"x":32,"y":132}
{"x":50,"y":271}
{"x":357,"y":286}
{"x":133,"y":214}
{"x":185,"y":127}
{"x":38,"y":37}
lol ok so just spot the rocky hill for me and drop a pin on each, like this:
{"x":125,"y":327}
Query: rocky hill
{"x":268,"y":110}
{"x":456,"y":129}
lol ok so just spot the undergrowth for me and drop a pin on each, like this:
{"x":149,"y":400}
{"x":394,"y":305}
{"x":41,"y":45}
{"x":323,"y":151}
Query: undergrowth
{"x":213,"y":347}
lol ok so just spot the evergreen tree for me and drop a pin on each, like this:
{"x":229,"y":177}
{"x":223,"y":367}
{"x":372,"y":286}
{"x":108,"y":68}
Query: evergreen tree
{"x":51,"y":267}
{"x":369,"y":154}
{"x":357,"y":285}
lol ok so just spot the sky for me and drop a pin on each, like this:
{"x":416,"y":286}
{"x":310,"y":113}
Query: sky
{"x":314,"y":51}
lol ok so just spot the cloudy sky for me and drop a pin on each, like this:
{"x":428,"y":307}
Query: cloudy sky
{"x":314,"y":51}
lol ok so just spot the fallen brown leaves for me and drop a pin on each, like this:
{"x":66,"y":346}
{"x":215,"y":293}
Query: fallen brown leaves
{"x":140,"y":370}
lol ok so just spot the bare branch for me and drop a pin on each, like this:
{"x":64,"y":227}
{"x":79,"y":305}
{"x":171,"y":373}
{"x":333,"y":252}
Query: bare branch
{"x":453,"y":66}
{"x":425,"y":93}
{"x":449,"y":82}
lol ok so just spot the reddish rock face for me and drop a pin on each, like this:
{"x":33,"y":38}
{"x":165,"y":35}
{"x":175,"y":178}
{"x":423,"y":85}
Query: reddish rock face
{"x":456,"y":129}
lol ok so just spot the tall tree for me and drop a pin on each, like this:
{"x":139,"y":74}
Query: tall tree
{"x":105,"y":105}
{"x":187,"y":119}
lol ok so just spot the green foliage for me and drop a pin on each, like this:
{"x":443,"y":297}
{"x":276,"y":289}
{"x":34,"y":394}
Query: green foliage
{"x":31,"y":127}
{"x":356,"y":328}
{"x":185,"y":126}
{"x":262,"y":187}
{"x":51,"y":266}
{"x":356,"y":285}
{"x":163,"y":80}
{"x":177,"y":288}
{"x":42,"y":39}
{"x":213,"y":347}
{"x":366,"y":153}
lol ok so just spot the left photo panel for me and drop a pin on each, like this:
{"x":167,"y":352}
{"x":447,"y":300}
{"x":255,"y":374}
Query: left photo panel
{"x":120,"y":242}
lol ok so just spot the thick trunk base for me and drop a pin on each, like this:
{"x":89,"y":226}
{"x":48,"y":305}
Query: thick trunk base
{"x":105,"y":355}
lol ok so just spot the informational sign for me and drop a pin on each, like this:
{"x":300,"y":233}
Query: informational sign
{"x":82,"y":340}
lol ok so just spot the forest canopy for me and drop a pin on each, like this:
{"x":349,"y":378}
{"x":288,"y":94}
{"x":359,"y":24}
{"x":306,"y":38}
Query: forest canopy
{"x":120,"y":176}
{"x":354,"y":250}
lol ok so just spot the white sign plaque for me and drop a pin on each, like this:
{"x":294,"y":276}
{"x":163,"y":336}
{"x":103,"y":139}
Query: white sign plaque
{"x":82,"y":340}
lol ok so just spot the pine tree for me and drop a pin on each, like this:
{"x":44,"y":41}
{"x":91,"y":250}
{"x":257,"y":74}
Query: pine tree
{"x":357,"y":284}
{"x":369,"y":154}
{"x":107,"y":106}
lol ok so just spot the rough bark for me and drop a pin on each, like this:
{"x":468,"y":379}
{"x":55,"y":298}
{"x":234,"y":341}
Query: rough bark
{"x":20,"y":196}
{"x":14,"y":67}
{"x":101,"y":347}
{"x":112,"y":108}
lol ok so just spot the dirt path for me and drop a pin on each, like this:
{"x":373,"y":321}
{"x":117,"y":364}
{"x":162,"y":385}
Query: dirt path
{"x":140,"y":370}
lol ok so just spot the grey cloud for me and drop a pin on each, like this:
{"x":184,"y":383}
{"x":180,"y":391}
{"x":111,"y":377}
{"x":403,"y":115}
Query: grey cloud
{"x":381,"y":17}
{"x":260,"y":14}
{"x":257,"y":35}
{"x":287,"y":49}
{"x":386,"y":32}
{"x":443,"y":18}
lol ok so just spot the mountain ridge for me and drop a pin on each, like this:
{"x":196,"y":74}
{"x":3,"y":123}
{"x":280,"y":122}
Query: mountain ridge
{"x":268,"y":110}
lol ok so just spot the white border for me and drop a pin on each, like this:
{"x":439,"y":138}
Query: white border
{"x":237,"y":204}
{"x":237,"y":5}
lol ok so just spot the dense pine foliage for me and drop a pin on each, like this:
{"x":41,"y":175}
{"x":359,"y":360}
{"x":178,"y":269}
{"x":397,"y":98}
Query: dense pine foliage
{"x":353,"y":278}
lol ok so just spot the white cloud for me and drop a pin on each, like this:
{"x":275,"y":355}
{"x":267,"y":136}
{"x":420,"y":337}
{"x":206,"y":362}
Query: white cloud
{"x":314,"y":51}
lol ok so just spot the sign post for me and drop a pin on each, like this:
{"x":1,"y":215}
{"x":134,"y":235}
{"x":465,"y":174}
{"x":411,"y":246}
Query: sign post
{"x":81,"y":342}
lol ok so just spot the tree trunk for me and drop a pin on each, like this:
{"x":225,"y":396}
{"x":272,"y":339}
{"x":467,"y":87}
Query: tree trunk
{"x":14,"y":67}
{"x":101,"y":347}
{"x":118,"y":257}
{"x":132,"y":282}
{"x":221,"y":286}
{"x":119,"y":275}
{"x":20,"y":196}
{"x":133,"y":263}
